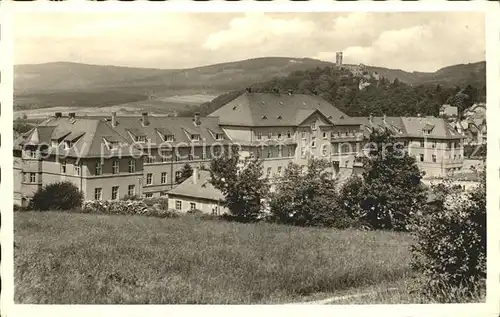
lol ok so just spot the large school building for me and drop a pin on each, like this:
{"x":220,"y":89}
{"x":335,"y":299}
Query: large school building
{"x":112,"y":157}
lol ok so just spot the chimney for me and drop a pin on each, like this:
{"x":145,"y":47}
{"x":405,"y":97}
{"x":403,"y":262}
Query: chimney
{"x":145,"y":120}
{"x":58,"y":114}
{"x":71,"y":115}
{"x":196,"y":175}
{"x":196,"y":119}
{"x":113,"y":119}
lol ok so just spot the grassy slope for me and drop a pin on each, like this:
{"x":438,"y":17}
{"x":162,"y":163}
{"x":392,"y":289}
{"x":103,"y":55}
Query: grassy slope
{"x":77,"y":258}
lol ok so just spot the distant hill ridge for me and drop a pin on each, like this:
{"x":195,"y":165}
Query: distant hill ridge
{"x":83,"y":85}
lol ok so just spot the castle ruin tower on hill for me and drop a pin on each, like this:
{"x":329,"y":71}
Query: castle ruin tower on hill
{"x":339,"y":59}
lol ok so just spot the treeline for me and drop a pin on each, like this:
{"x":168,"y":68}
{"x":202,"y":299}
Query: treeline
{"x":341,"y":88}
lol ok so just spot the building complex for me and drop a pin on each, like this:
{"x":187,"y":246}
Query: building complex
{"x":113,"y":157}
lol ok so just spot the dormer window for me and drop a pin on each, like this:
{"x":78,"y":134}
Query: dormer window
{"x":140,"y":138}
{"x":195,"y":137}
{"x":67,"y":144}
{"x":169,"y":138}
{"x":289,"y":134}
{"x":279,"y":136}
{"x":219,"y":136}
{"x":314,"y":126}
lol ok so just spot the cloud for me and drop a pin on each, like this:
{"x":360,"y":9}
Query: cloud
{"x":410,"y":41}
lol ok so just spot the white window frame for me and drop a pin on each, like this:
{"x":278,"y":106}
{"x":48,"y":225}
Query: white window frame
{"x":63,"y":166}
{"x":98,"y":193}
{"x":131,"y":166}
{"x":98,"y":168}
{"x":163,"y":178}
{"x":192,"y":206}
{"x":77,"y":168}
{"x":149,"y":179}
{"x":178,"y":205}
{"x":131,"y":190}
{"x":32,"y":177}
{"x":116,"y":166}
{"x":115,"y":192}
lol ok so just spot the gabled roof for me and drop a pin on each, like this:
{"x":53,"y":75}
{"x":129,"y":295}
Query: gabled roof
{"x":272,"y":109}
{"x":202,"y":189}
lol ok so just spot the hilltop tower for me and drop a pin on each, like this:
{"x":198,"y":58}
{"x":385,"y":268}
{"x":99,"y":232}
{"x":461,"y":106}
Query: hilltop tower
{"x":339,"y":59}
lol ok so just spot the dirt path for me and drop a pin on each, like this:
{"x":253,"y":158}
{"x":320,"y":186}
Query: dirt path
{"x":331,"y":300}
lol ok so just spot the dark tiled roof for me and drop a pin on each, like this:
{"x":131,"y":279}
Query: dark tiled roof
{"x":271,"y":109}
{"x":202,"y":189}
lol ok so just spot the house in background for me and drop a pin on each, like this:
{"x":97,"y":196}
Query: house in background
{"x":448,"y":112}
{"x":197,"y":193}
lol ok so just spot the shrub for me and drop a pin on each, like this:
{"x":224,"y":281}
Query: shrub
{"x":132,"y":197}
{"x":57,"y":196}
{"x":160,"y":202}
{"x":349,"y":201}
{"x":450,"y":251}
{"x":115,"y":207}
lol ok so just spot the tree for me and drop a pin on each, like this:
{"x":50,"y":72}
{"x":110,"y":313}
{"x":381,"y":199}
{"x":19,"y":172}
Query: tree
{"x":241,"y":183}
{"x":392,"y":191}
{"x":186,"y":172}
{"x":57,"y":196}
{"x":450,"y":248}
{"x":307,"y":199}
{"x":350,"y":198}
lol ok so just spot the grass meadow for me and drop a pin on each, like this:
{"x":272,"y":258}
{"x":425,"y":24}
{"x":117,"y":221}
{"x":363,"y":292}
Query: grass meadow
{"x":70,"y":258}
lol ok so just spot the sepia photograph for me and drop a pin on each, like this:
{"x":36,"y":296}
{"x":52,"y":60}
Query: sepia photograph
{"x":256,"y":158}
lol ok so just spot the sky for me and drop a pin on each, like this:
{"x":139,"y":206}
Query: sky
{"x":408,"y":41}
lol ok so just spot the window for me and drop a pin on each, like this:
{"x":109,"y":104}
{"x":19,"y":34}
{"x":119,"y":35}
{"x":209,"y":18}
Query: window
{"x":313,"y":142}
{"x":433,"y":144}
{"x":114,"y":192}
{"x":190,"y":156}
{"x":347,"y":133}
{"x":304,"y":135}
{"x":335,"y":148}
{"x":324,"y":135}
{"x":346,"y":163}
{"x":219,"y":136}
{"x":259,"y":135}
{"x":131,"y":190}
{"x":67,"y":145}
{"x":314,"y":126}
{"x":268,"y":172}
{"x":289,"y":134}
{"x":140,"y":138}
{"x":32,"y":178}
{"x":149,"y":179}
{"x":192,"y":206}
{"x":455,"y":157}
{"x":148,"y":195}
{"x":324,"y":151}
{"x":98,"y":168}
{"x":150,"y":159}
{"x":303,"y":152}
{"x":164,"y":177}
{"x":421,"y":157}
{"x":165,"y":155}
{"x":116,"y":166}
{"x":33,"y":154}
{"x":422,"y":143}
{"x":77,"y":169}
{"x":279,"y":136}
{"x":195,"y":137}
{"x":178,"y":175}
{"x":279,"y":171}
{"x":279,"y":151}
{"x":269,"y":135}
{"x":98,"y":194}
{"x":131,"y":166}
{"x":178,"y":205}
{"x":169,"y":138}
{"x":269,"y":153}
{"x":434,"y":158}
{"x":63,"y":167}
